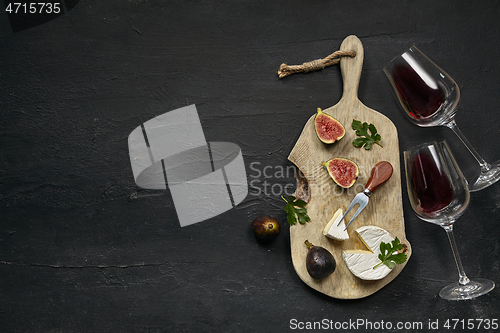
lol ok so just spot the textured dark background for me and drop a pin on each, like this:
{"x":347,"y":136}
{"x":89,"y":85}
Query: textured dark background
{"x":82,"y":249}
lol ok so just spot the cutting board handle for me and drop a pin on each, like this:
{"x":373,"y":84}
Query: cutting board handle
{"x":351,"y":68}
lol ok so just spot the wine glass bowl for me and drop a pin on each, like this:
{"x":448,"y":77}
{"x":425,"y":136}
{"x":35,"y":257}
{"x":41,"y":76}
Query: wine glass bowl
{"x":429,"y":97}
{"x":439,"y":194}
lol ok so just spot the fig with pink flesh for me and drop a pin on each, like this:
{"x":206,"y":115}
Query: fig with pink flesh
{"x":344,"y":172}
{"x":328,"y":129}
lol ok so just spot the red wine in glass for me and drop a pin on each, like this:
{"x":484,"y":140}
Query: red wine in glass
{"x":430,"y":183}
{"x":429,"y":97}
{"x":439,"y":194}
{"x":419,"y":91}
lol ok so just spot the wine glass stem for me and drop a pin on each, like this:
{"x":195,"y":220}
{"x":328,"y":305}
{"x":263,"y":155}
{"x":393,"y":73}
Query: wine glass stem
{"x":485,"y":166}
{"x":463,"y":279}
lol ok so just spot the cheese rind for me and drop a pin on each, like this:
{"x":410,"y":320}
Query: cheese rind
{"x":372,"y":236}
{"x":360,"y":262}
{"x":361,"y":265}
{"x":333,"y":231}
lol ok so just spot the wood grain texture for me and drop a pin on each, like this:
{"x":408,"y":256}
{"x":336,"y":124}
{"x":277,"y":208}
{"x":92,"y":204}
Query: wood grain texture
{"x":385,"y":208}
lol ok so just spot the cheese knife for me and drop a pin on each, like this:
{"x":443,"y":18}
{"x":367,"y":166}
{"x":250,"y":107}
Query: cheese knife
{"x":381,"y":172}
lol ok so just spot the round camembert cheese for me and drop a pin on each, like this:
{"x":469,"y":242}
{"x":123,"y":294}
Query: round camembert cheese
{"x":334,"y":231}
{"x":361,"y":262}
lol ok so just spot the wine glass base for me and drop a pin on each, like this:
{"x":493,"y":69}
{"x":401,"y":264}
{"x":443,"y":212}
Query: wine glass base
{"x":474,"y":288}
{"x":487,"y":178}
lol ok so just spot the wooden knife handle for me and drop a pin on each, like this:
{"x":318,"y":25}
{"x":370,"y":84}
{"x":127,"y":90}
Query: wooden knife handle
{"x":380,"y":173}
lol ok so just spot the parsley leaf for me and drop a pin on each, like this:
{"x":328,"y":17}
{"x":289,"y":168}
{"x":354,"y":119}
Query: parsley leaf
{"x":295,"y":209}
{"x":369,"y":138}
{"x":391,"y":254}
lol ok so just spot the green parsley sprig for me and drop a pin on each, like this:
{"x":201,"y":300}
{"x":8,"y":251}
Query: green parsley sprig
{"x":369,"y":138}
{"x":388,"y":255}
{"x":295,"y":210}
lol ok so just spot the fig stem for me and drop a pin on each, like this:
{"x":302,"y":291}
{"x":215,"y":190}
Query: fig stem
{"x":379,"y":144}
{"x":308,"y":244}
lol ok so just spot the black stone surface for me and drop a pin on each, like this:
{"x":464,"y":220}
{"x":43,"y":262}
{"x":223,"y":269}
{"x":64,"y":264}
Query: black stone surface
{"x":82,"y":249}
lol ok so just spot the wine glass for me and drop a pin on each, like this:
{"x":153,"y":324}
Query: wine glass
{"x":430,"y":97}
{"x":439,"y":194}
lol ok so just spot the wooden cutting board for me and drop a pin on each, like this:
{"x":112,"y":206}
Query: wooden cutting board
{"x":385,"y":208}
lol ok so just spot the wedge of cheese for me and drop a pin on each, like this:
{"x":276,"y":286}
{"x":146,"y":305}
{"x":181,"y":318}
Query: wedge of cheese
{"x":361,"y":262}
{"x":333,"y":231}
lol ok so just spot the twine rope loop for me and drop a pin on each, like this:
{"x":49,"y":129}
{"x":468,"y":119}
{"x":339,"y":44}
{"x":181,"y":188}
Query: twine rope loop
{"x":314,"y":65}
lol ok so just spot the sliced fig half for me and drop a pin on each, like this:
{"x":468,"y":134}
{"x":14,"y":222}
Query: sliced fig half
{"x":328,"y":128}
{"x":344,"y":172}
